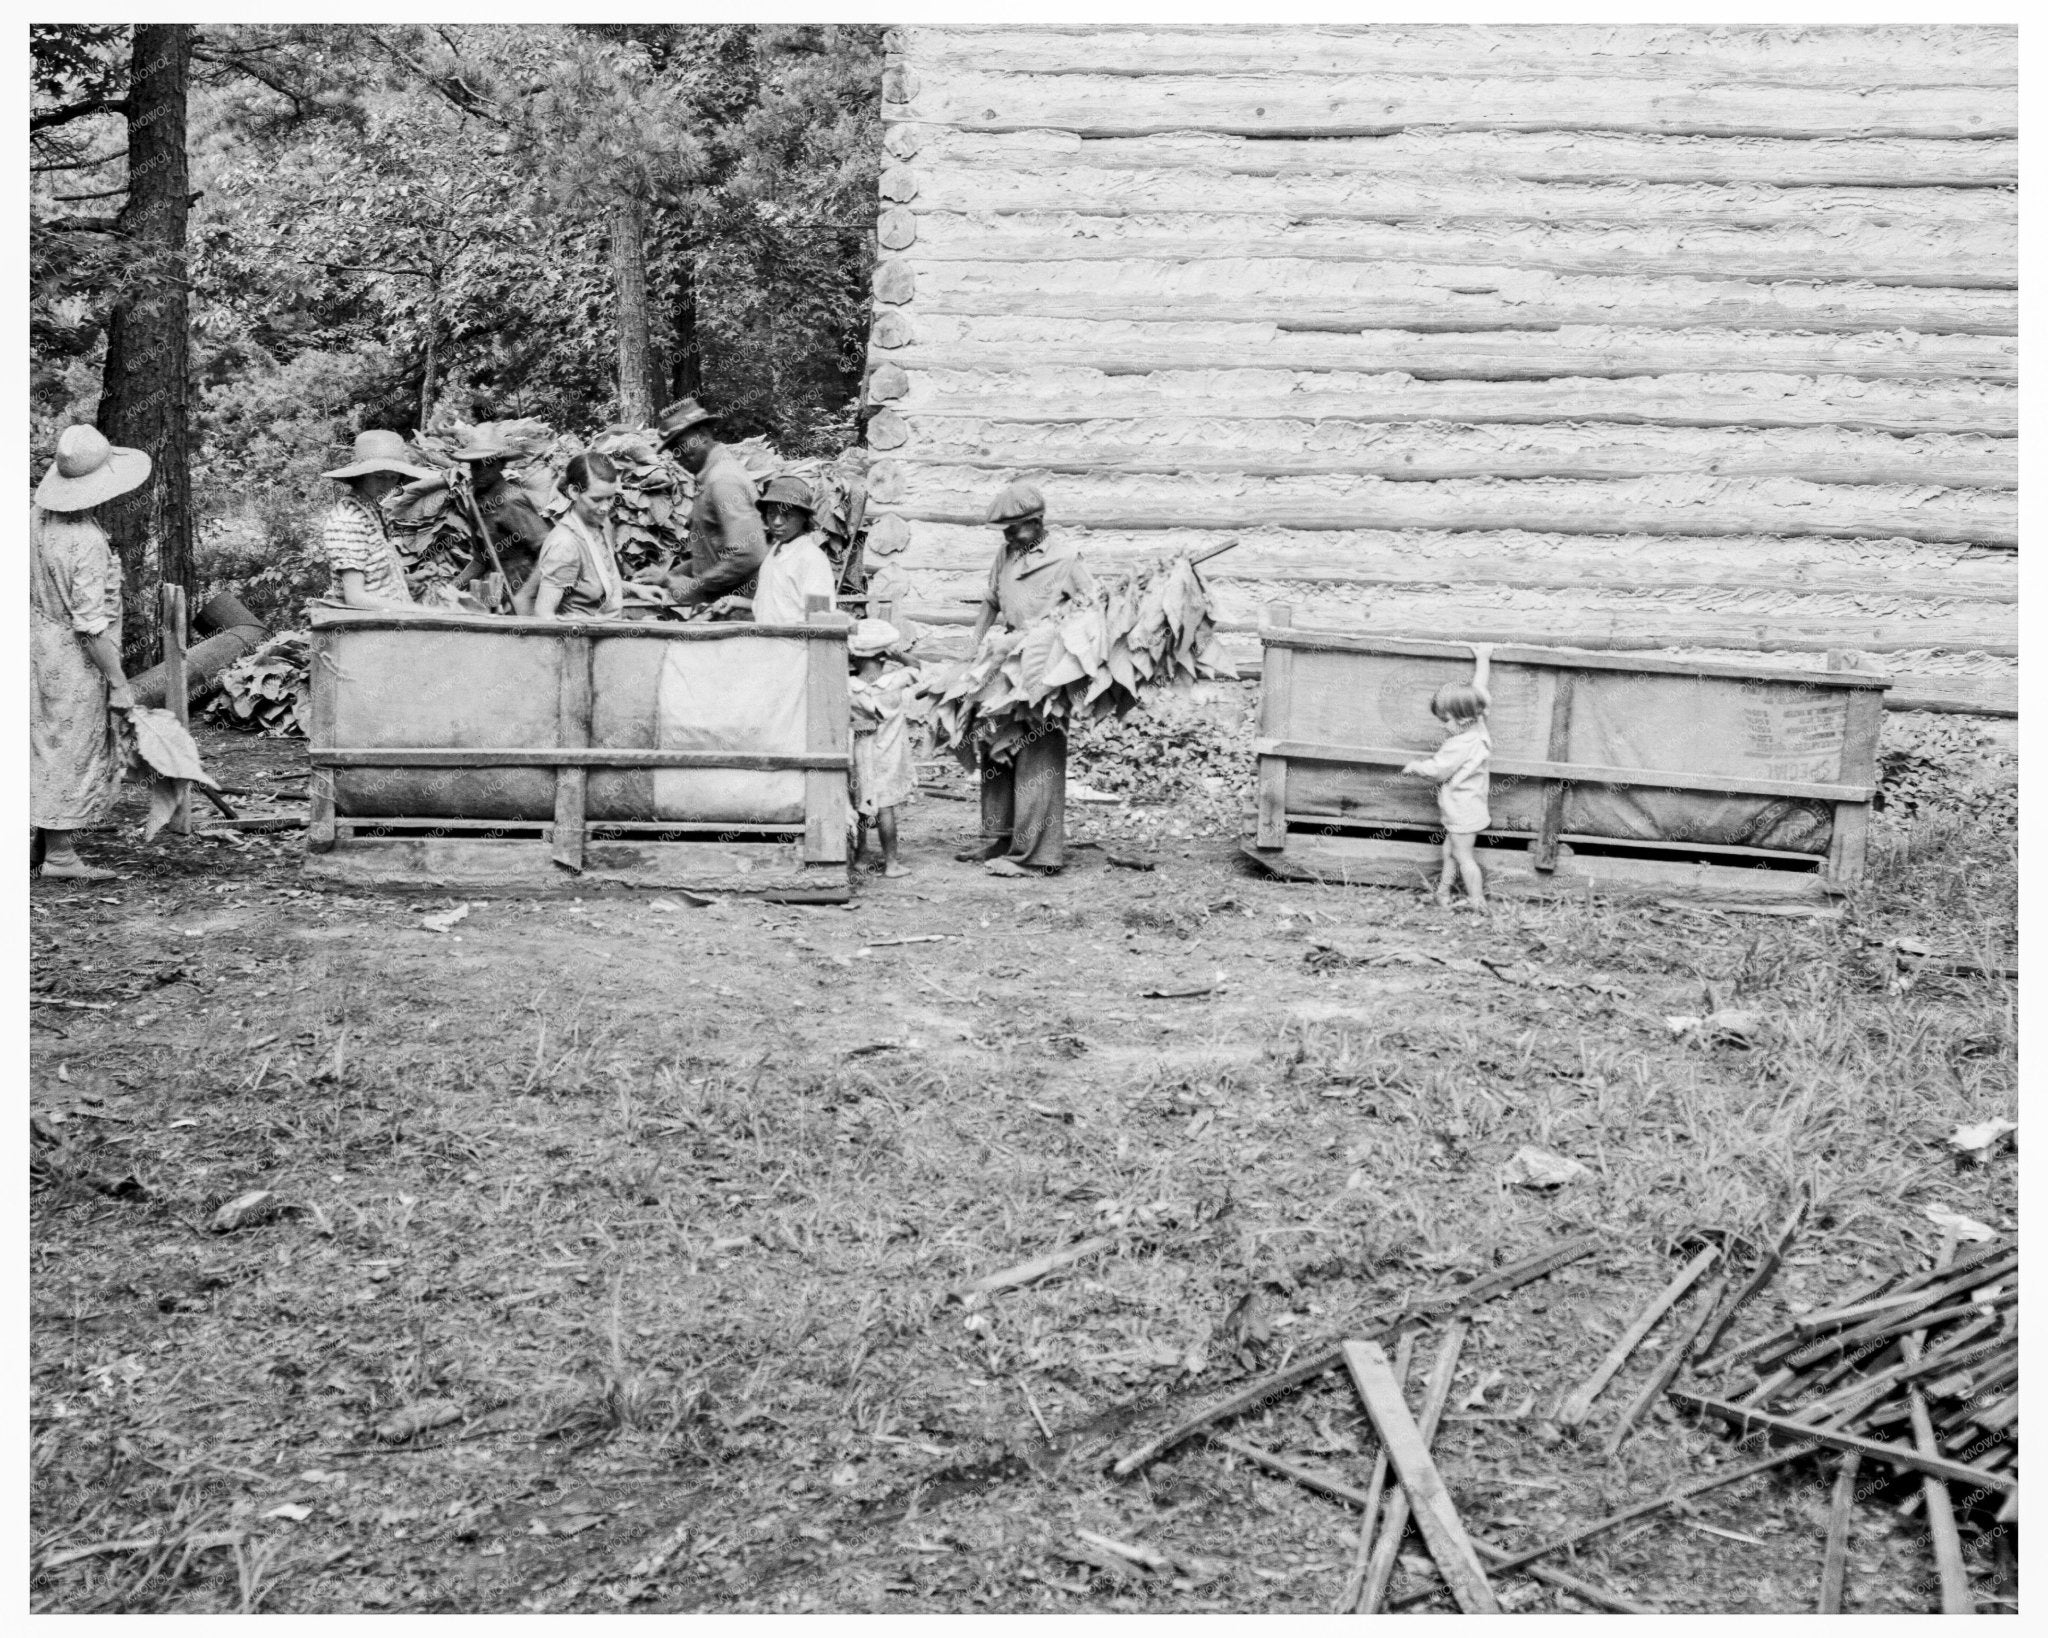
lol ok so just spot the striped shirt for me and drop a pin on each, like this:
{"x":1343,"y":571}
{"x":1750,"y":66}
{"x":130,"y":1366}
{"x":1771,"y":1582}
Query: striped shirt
{"x":352,"y":534}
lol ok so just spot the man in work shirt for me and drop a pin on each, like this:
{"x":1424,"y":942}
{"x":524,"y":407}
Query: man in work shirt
{"x":726,"y":541}
{"x":1024,"y":803}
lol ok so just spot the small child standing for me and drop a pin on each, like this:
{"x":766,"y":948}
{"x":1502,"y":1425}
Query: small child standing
{"x":884,"y":774}
{"x":1459,"y":769}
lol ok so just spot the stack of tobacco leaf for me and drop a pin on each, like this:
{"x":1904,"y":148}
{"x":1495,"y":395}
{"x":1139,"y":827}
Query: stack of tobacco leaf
{"x":1078,"y":661}
{"x":266,"y":692}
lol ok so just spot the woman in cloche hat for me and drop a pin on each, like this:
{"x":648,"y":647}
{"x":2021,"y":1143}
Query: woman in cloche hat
{"x":76,"y":682}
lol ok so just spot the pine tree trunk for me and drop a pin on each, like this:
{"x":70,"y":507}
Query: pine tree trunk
{"x":639,"y":376}
{"x":689,"y":378}
{"x":145,"y":398}
{"x":429,"y":373}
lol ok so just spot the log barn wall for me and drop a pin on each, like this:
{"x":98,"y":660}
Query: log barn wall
{"x":1688,"y":338}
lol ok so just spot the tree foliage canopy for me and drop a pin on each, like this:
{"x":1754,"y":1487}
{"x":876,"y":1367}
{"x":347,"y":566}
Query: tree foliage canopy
{"x":380,"y":209}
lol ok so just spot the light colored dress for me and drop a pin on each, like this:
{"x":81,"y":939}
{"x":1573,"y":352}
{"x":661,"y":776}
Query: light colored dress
{"x":74,"y":746}
{"x":353,"y":536}
{"x":580,"y":560}
{"x":791,"y":572}
{"x":884,"y":772}
{"x":1463,"y":783}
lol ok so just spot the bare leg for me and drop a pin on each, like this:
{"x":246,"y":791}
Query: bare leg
{"x":885,"y":827}
{"x":1458,"y":847}
{"x":1443,"y":883}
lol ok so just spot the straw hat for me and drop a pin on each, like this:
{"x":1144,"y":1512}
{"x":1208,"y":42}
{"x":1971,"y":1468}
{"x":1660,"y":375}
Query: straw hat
{"x":88,"y":471}
{"x":486,"y":446}
{"x":1015,"y":501}
{"x":789,"y":490}
{"x":377,"y":451}
{"x":871,"y":637}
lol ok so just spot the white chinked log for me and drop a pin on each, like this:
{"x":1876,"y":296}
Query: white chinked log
{"x":1672,"y":504}
{"x":1137,"y":346}
{"x":1912,"y":571}
{"x":1525,"y":156}
{"x":1068,"y":394}
{"x":1169,"y":445}
{"x":1840,"y":57}
{"x":1285,"y":105}
{"x":1959,"y":255}
{"x":1306,"y":293}
{"x":1200,"y":189}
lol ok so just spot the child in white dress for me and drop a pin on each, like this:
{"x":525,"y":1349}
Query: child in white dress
{"x":1459,"y":769}
{"x":884,"y":772}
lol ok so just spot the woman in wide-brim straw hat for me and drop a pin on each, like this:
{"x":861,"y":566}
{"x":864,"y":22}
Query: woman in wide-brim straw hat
{"x":76,"y":682}
{"x":368,"y":572}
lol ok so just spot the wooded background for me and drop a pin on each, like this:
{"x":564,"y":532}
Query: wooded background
{"x":249,"y":242}
{"x":1698,"y":338}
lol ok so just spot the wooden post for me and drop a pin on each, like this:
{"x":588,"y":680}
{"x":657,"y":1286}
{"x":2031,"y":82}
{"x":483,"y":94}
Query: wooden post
{"x":828,"y":728}
{"x":1544,"y":848}
{"x":175,"y":688}
{"x":1276,"y":702}
{"x":573,"y":722}
{"x":324,"y":675}
{"x":1865,"y":722}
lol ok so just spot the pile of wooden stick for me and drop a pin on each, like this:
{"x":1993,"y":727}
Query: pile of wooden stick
{"x":1933,"y":1355}
{"x":1936,"y":1350}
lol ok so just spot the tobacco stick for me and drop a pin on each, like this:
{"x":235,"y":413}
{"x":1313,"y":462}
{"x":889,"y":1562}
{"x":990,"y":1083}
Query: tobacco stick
{"x":1367,"y":1502}
{"x":1435,"y":1395}
{"x":1037,"y":1268}
{"x":1897,"y":1456}
{"x":1753,"y":1287}
{"x":1667,"y":1368}
{"x":1885,"y":1330}
{"x":1941,"y":1518}
{"x":1457,"y":1560}
{"x":1834,"y":1566}
{"x":1309,"y":1367}
{"x":1579,"y":1404}
{"x":1354,"y":1583}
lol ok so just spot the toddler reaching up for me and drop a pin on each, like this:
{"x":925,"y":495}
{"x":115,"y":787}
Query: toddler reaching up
{"x":1459,"y":769}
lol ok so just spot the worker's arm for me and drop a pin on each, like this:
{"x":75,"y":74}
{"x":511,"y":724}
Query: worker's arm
{"x":357,"y":596}
{"x":742,"y":546}
{"x":1482,"y":656}
{"x":547,"y":598}
{"x":106,"y":658}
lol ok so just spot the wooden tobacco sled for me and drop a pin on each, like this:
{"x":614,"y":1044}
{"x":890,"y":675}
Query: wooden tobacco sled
{"x":1613,"y":773}
{"x":476,"y":752}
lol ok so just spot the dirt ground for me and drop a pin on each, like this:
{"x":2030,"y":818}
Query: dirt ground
{"x":666,"y":1206}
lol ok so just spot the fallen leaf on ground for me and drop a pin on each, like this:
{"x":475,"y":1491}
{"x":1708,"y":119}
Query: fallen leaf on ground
{"x":1736,"y":1028}
{"x":1979,"y":1141}
{"x":1967,"y":1228}
{"x":297,"y":1512}
{"x":446,"y":920}
{"x":245,"y":1211}
{"x":1533,"y":1168}
{"x":418,"y":1418}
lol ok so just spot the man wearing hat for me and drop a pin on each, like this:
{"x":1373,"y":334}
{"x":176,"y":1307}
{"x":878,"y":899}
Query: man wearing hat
{"x":726,"y":542}
{"x":75,"y":676}
{"x":1024,"y":803}
{"x":796,"y":566}
{"x":517,"y":528}
{"x":368,"y":572}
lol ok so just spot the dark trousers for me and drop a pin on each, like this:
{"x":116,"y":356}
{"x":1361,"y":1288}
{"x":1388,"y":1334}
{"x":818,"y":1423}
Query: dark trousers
{"x":1024,"y":803}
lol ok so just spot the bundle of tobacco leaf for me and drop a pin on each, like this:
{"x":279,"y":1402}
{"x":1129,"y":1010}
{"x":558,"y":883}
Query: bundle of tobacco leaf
{"x":267,"y":691}
{"x":1079,"y":661}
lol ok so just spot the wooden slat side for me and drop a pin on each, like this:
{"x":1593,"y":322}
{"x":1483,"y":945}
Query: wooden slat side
{"x":827,"y":731}
{"x":1276,"y":704}
{"x":577,"y":701}
{"x":324,"y":677}
{"x":1578,"y":773}
{"x":463,"y":756}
